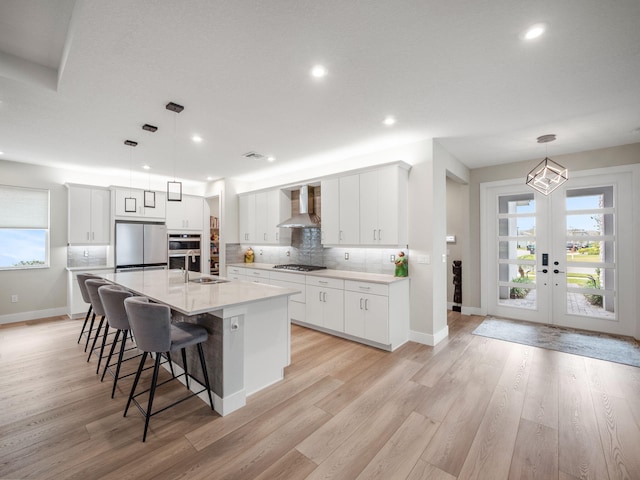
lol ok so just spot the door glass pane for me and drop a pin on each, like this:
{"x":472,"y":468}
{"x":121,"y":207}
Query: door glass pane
{"x":516,"y":251}
{"x":590,"y":244}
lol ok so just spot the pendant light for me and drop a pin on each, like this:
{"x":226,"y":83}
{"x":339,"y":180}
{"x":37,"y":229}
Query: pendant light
{"x":130,"y":203}
{"x":174,"y":189}
{"x":547,"y":175}
{"x":149,"y":195}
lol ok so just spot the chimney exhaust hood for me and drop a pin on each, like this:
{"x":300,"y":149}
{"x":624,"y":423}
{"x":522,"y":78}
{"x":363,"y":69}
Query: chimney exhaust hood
{"x":306,"y":218}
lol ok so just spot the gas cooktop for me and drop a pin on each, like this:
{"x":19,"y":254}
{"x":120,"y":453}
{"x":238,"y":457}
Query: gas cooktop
{"x":298,"y":267}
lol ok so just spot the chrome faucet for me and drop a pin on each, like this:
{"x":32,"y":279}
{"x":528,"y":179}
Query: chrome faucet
{"x":186,"y":263}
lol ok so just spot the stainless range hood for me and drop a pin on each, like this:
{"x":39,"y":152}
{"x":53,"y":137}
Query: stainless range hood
{"x":306,"y":218}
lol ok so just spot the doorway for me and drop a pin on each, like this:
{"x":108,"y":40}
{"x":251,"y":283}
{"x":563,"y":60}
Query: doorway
{"x":566,"y":259}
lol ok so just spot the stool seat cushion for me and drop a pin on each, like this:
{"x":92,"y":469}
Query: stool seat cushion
{"x":186,"y":334}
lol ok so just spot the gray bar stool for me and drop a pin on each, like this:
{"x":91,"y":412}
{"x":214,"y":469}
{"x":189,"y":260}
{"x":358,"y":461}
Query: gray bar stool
{"x":154,"y":333}
{"x":82,"y":278}
{"x":112,"y":297}
{"x":92,"y":287}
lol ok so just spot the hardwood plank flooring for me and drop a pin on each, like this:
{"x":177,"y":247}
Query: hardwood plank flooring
{"x":471,"y":407}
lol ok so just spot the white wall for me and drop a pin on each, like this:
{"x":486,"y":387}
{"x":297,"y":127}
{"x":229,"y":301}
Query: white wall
{"x":458,"y":225}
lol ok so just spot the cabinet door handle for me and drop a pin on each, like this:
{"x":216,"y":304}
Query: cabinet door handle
{"x":361,"y":304}
{"x":374,"y":233}
{"x":379,"y":235}
{"x":324,"y":297}
{"x":320,"y":296}
{"x":340,"y":235}
{"x":366,"y":304}
{"x":264,"y":236}
{"x":87,"y":235}
{"x":364,"y":288}
{"x":323,"y":282}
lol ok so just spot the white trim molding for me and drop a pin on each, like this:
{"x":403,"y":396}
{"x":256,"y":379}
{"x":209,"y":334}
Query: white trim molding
{"x":33,"y":315}
{"x":427,"y":338}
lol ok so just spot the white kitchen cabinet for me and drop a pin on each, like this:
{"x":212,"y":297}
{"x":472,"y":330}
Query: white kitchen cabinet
{"x":325,"y":302}
{"x":89,"y":215}
{"x":237,"y":273}
{"x":340,"y":202}
{"x":247,"y":218}
{"x":141,"y":212}
{"x":186,"y":215}
{"x":259,"y":213}
{"x":297,"y":302}
{"x":367,"y":316}
{"x":377,"y":312}
{"x":383,"y":206}
{"x":75,"y":303}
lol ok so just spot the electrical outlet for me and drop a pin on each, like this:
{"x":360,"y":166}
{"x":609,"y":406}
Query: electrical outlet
{"x":346,"y":256}
{"x":392,"y":258}
{"x":14,"y":298}
{"x":288,"y":253}
{"x":86,"y":253}
{"x":261,"y":252}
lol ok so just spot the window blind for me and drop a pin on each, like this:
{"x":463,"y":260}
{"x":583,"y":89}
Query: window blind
{"x":24,"y":207}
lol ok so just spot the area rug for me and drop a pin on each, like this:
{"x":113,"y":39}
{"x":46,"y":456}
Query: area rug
{"x":589,"y":344}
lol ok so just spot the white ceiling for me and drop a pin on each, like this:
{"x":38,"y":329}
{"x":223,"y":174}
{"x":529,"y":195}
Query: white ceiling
{"x":77,"y":78}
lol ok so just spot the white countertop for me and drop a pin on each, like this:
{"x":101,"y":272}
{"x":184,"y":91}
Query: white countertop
{"x":340,"y":274}
{"x":168,"y":287}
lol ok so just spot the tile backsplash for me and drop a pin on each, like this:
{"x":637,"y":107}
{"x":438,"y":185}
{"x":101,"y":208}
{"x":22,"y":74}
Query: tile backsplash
{"x":306,"y":248}
{"x":87,"y":256}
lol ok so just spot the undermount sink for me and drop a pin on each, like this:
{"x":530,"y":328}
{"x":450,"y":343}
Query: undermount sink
{"x":208,"y":280}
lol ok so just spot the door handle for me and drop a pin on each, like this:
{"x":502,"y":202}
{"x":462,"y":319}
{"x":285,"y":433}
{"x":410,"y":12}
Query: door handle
{"x":557,"y":271}
{"x":544,"y":270}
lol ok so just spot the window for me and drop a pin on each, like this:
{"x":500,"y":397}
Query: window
{"x":24,"y":228}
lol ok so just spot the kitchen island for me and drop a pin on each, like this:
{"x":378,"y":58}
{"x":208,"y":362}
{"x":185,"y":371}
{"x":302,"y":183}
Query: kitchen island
{"x":248,"y":325}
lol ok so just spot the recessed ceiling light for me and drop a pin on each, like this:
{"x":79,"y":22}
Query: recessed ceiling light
{"x":146,"y":167}
{"x":319,"y":71}
{"x":209,"y":178}
{"x":534,"y":31}
{"x":1,"y":153}
{"x":196,"y":138}
{"x":271,"y":159}
{"x":389,"y":120}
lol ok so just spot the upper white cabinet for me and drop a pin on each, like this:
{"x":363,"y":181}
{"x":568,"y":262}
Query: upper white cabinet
{"x":157,"y":212}
{"x":186,"y":214}
{"x":247,"y":218}
{"x":340,"y":202}
{"x":259,"y":215}
{"x":89,"y":215}
{"x":383,"y":206}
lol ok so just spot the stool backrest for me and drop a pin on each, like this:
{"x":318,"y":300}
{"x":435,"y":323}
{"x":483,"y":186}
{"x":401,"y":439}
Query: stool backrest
{"x":151,"y":324}
{"x":82,"y":278}
{"x":112,"y":297}
{"x":93,"y":284}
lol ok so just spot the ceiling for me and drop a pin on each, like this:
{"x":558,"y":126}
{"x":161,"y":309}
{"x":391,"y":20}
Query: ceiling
{"x":77,"y":78}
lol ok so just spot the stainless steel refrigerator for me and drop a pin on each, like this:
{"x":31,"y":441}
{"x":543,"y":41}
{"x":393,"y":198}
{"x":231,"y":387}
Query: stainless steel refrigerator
{"x":140,"y":246}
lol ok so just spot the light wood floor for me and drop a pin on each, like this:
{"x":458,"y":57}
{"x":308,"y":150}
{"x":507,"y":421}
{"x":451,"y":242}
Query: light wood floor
{"x":471,"y":407}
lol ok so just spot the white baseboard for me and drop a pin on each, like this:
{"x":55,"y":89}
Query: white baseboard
{"x":427,"y":338}
{"x":34,"y":315}
{"x":473,"y":311}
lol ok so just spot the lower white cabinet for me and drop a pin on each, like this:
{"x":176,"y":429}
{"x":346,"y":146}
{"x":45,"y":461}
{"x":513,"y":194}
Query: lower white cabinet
{"x":75,"y":303}
{"x":377,"y":312}
{"x":325,"y":303}
{"x":373,"y":313}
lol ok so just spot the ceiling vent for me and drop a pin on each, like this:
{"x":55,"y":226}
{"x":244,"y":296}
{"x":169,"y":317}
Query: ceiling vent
{"x":253,"y":155}
{"x":149,"y":128}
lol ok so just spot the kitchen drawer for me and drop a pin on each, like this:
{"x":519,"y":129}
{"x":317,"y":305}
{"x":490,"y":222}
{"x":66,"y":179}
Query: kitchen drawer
{"x":366,"y":287}
{"x":236,"y":271}
{"x":256,"y":274}
{"x":324,"y":282}
{"x":298,"y":297}
{"x":287,"y":276}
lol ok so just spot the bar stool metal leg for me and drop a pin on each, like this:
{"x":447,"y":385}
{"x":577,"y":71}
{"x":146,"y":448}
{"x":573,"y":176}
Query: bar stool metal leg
{"x":93,"y":318}
{"x":84,"y":325}
{"x":204,"y":372}
{"x":95,"y":339}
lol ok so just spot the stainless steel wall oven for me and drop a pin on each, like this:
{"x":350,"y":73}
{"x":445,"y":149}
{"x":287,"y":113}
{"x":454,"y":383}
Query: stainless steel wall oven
{"x":179,"y":244}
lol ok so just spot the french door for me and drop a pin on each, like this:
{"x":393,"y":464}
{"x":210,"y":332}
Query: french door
{"x":566,"y":259}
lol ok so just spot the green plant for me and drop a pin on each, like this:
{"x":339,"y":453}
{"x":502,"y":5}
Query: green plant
{"x":593,"y":249}
{"x":594,"y":282}
{"x":519,"y":292}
